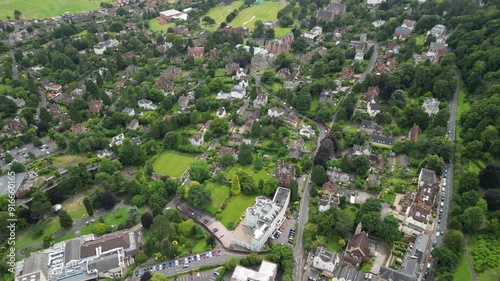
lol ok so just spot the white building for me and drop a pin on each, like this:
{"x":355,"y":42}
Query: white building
{"x":306,"y":131}
{"x":313,"y":33}
{"x":260,"y":100}
{"x":197,"y":139}
{"x":372,"y":108}
{"x":147,"y":104}
{"x":238,"y":92}
{"x":221,"y":112}
{"x":374,"y":2}
{"x":262,"y":220}
{"x":275,"y":112}
{"x":326,"y":262}
{"x":267,"y":271}
{"x":117,"y":140}
{"x":101,"y":47}
{"x":129,"y":111}
{"x":431,"y":106}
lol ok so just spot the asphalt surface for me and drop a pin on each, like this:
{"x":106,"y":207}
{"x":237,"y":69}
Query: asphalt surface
{"x":20,"y":153}
{"x":180,"y":269}
{"x":449,"y":180}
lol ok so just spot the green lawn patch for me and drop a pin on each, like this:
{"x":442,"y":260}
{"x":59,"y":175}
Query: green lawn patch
{"x":233,"y":211}
{"x":314,"y":105}
{"x":65,"y":161}
{"x":40,"y":9}
{"x":113,"y":219}
{"x":200,"y":247}
{"x":78,"y":212}
{"x":420,"y":40}
{"x":281,"y":31}
{"x":65,"y":237}
{"x":263,"y":174}
{"x":332,"y":242}
{"x":476,"y":165}
{"x":247,"y":17}
{"x":172,"y":163}
{"x":49,"y":227}
{"x":219,"y":193}
{"x":388,"y":197}
{"x":5,"y":88}
{"x":462,"y":272}
{"x":351,"y":211}
{"x":154,"y":25}
{"x":488,"y":275}
{"x":220,"y":73}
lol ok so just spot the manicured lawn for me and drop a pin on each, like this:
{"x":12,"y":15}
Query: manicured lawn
{"x":246,"y":18}
{"x":66,"y":161}
{"x":200,"y":247}
{"x":172,"y":163}
{"x":263,"y":174}
{"x":281,"y":31}
{"x":332,"y":242}
{"x":154,"y":25}
{"x":65,"y":237}
{"x":40,"y":9}
{"x":49,"y":226}
{"x":476,"y":166}
{"x":463,"y":272}
{"x":388,"y":197}
{"x":78,"y":213}
{"x":420,"y":40}
{"x":314,"y":105}
{"x":236,"y":207}
{"x":351,"y":211}
{"x":115,"y":218}
{"x":219,"y":193}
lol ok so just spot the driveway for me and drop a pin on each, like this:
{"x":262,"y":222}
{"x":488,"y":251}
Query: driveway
{"x":380,"y":252}
{"x":286,"y":226}
{"x":209,"y":222}
{"x":360,"y":194}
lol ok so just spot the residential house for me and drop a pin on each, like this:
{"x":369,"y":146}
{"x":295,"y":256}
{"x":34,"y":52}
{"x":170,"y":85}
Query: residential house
{"x":372,"y":108}
{"x":197,"y":52}
{"x":438,"y":32}
{"x":364,"y":150}
{"x":381,"y":140}
{"x":411,"y":24}
{"x":372,"y":180}
{"x":101,"y":47}
{"x":131,"y":69}
{"x":117,"y":140}
{"x":54,"y":110}
{"x":299,"y":144}
{"x":329,"y":188}
{"x":171,"y":73}
{"x":130,"y":111}
{"x":415,"y":131}
{"x":18,"y":101}
{"x":372,"y":93}
{"x":235,"y":140}
{"x":238,"y":92}
{"x":349,"y":273}
{"x":133,"y":125}
{"x":104,"y":153}
{"x":347,"y":73}
{"x":214,"y":54}
{"x":135,"y":141}
{"x":329,"y":197}
{"x":325,"y":262}
{"x":230,"y":67}
{"x":224,"y":150}
{"x":357,"y":250}
{"x":402,"y":33}
{"x":260,"y":101}
{"x":147,"y":104}
{"x":78,"y":129}
{"x":284,"y":172}
{"x":95,"y":106}
{"x":197,"y":139}
{"x":275,"y":112}
{"x":427,"y":176}
{"x":326,"y":95}
{"x":269,"y":25}
{"x":336,"y":175}
{"x":291,"y":119}
{"x":404,"y":162}
{"x":431,"y":106}
{"x":183,"y":102}
{"x":306,"y":131}
{"x":221,"y":112}
{"x":181,"y":30}
{"x":293,"y":153}
{"x":243,"y":31}
{"x":277,"y":46}
{"x":313,"y":33}
{"x":331,"y":11}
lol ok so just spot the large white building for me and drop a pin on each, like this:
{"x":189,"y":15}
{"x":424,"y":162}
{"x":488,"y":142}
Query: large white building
{"x":261,"y":220}
{"x":267,"y":272}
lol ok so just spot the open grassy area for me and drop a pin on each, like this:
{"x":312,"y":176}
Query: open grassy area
{"x":200,"y":246}
{"x":172,"y":163}
{"x":219,"y":193}
{"x":332,"y":242}
{"x":388,"y":197}
{"x":268,"y":10}
{"x":40,"y":9}
{"x":420,"y":40}
{"x":314,"y":105}
{"x":488,"y":275}
{"x":263,"y":174}
{"x":154,"y":25}
{"x":463,"y":272}
{"x":281,"y":31}
{"x":49,"y":227}
{"x":114,"y":219}
{"x":237,"y":205}
{"x":65,"y":161}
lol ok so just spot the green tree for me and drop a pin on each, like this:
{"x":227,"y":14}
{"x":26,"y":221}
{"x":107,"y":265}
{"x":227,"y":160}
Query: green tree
{"x":390,"y":229}
{"x":270,"y":187}
{"x":232,"y":263}
{"x":17,"y":167}
{"x":141,"y":258}
{"x":219,"y":126}
{"x":65,"y":220}
{"x":199,"y":196}
{"x":245,"y":156}
{"x":146,"y":220}
{"x":171,"y":140}
{"x":45,"y":115}
{"x":100,"y":228}
{"x":158,"y":277}
{"x":294,"y":189}
{"x":131,"y":154}
{"x":48,"y":241}
{"x":469,"y":181}
{"x":227,"y":159}
{"x":235,"y":185}
{"x":133,"y":216}
{"x":186,"y":228}
{"x":258,"y":163}
{"x":455,"y":241}
{"x":318,"y":175}
{"x":306,"y":163}
{"x":472,"y":219}
{"x":361,"y":165}
{"x":40,"y":205}
{"x":199,"y":171}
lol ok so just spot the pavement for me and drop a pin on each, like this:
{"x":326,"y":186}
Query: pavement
{"x":449,"y":181}
{"x":20,"y":153}
{"x":286,"y":226}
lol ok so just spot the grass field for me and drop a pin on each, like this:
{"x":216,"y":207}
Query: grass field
{"x":172,"y":163}
{"x":66,"y":161}
{"x":246,"y":18}
{"x":115,"y":218}
{"x":40,"y":9}
{"x":154,"y":25}
{"x":263,"y":174}
{"x":49,"y":226}
{"x":237,"y":205}
{"x":219,"y":193}
{"x":463,"y":272}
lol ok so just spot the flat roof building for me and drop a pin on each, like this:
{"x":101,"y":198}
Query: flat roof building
{"x":267,"y":272}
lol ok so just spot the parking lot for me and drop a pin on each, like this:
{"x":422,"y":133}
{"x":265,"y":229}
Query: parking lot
{"x":186,"y":264}
{"x":20,"y":154}
{"x":286,"y":226}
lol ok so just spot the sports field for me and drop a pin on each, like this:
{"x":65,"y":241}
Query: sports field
{"x":40,"y":9}
{"x":265,"y":10}
{"x":172,"y":164}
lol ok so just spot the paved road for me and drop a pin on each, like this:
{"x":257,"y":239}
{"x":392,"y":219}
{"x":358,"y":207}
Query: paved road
{"x":179,"y":269}
{"x":449,"y":180}
{"x":373,"y":60}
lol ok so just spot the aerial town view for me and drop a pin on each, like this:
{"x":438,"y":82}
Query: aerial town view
{"x":250,"y":140}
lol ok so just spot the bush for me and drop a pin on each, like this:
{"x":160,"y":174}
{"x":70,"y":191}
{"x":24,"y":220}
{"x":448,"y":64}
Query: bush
{"x":141,"y":258}
{"x":37,"y":232}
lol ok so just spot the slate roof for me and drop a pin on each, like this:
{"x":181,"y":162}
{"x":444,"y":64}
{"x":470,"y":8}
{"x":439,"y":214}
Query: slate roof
{"x":382,"y":140}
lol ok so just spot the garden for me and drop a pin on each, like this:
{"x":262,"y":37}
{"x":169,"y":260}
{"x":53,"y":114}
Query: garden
{"x":172,"y":163}
{"x":235,"y":209}
{"x":111,"y":222}
{"x":484,"y":251}
{"x":218,"y":193}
